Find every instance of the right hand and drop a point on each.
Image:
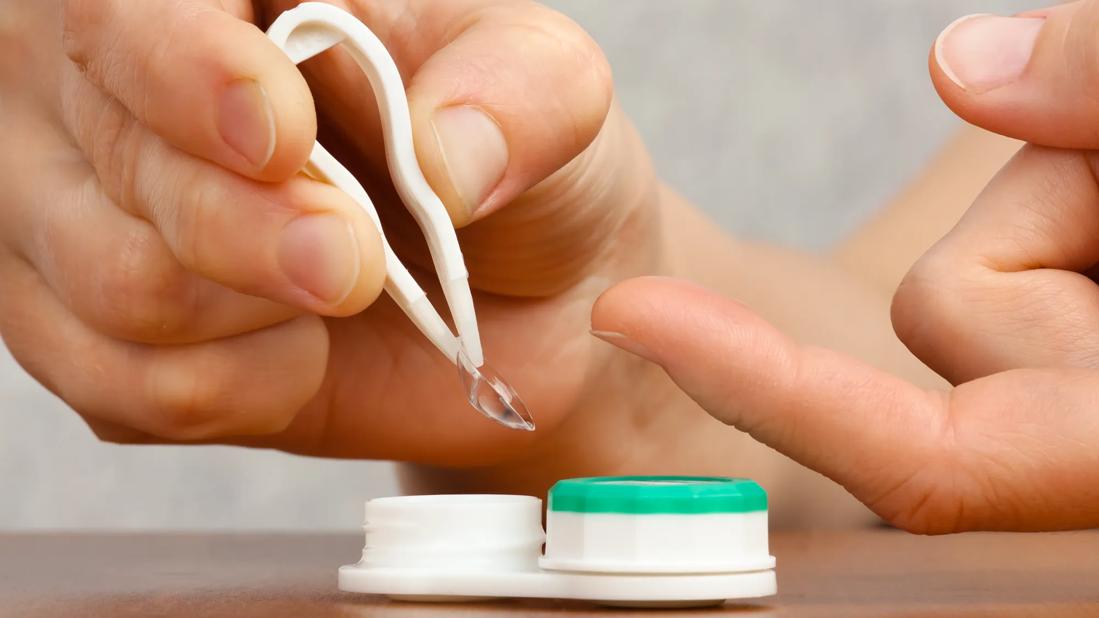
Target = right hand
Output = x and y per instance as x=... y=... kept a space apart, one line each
x=166 y=271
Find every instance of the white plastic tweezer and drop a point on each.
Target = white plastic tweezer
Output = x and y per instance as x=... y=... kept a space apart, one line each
x=312 y=28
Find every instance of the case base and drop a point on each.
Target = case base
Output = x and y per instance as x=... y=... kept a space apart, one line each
x=633 y=590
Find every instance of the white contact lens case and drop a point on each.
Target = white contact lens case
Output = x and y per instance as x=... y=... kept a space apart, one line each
x=636 y=541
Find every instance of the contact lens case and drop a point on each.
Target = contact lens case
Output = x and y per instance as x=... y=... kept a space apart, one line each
x=632 y=541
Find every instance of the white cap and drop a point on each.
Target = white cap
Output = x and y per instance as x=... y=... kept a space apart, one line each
x=467 y=532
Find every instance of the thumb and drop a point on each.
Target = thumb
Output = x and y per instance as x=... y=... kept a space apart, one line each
x=515 y=96
x=1009 y=451
x=1033 y=76
x=502 y=93
x=511 y=105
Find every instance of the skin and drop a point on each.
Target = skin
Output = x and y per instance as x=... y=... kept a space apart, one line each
x=127 y=288
x=193 y=333
x=1004 y=306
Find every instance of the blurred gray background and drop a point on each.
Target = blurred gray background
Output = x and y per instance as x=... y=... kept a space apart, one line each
x=786 y=120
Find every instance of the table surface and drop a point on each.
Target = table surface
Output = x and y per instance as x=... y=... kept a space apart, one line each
x=848 y=573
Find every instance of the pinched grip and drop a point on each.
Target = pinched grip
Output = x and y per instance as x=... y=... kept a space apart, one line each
x=312 y=28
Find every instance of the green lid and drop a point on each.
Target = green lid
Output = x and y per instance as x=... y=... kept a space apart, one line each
x=635 y=495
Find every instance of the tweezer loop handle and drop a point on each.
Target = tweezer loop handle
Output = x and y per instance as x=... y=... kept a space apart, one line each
x=312 y=28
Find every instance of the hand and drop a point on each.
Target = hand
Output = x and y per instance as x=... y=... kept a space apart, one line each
x=1005 y=306
x=163 y=267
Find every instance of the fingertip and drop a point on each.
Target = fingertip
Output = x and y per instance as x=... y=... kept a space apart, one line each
x=964 y=101
x=625 y=305
x=640 y=302
x=271 y=132
x=329 y=257
x=505 y=104
x=939 y=66
x=303 y=243
x=371 y=278
x=944 y=86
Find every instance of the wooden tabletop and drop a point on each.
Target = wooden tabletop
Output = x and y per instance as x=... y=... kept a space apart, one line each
x=858 y=573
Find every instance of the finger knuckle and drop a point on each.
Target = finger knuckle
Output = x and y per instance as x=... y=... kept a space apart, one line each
x=160 y=57
x=77 y=18
x=104 y=57
x=191 y=216
x=145 y=295
x=202 y=398
x=16 y=41
x=84 y=392
x=115 y=144
x=189 y=402
x=926 y=302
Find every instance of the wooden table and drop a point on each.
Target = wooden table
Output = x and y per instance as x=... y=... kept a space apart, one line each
x=858 y=573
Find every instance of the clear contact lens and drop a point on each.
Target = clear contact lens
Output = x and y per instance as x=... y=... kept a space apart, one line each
x=490 y=395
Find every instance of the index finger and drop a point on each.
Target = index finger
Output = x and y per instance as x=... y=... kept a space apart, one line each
x=1012 y=451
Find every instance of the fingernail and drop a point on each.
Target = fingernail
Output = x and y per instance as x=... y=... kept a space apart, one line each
x=984 y=52
x=622 y=341
x=474 y=150
x=320 y=254
x=246 y=121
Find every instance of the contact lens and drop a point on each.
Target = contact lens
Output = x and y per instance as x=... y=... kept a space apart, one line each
x=492 y=396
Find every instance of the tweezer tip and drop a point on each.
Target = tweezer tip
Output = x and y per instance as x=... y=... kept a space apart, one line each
x=522 y=424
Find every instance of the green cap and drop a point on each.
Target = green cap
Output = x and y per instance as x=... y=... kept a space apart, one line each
x=637 y=495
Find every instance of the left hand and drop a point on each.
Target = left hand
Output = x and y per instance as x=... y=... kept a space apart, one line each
x=1005 y=306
